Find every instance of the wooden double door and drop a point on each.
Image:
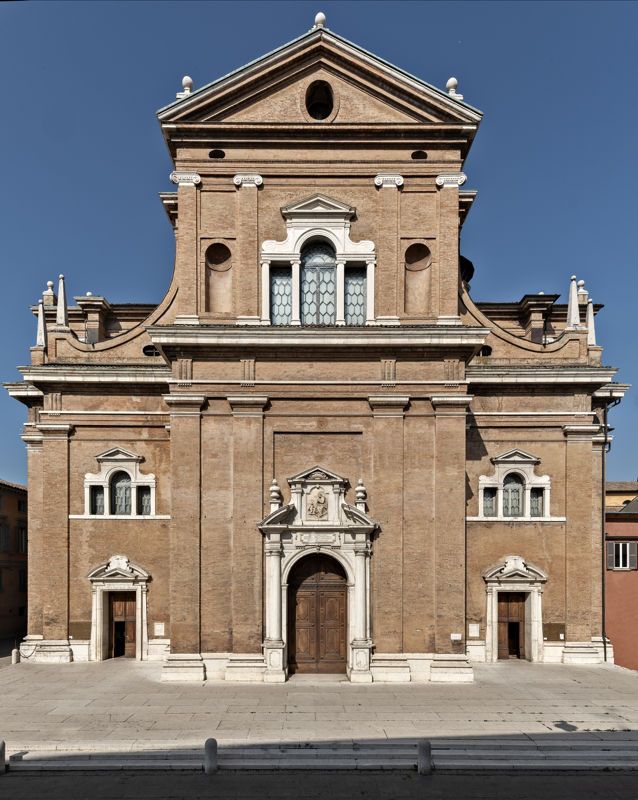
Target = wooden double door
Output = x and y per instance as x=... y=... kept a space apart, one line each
x=317 y=616
x=122 y=624
x=511 y=624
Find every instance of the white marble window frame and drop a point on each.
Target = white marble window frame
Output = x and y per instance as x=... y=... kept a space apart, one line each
x=102 y=479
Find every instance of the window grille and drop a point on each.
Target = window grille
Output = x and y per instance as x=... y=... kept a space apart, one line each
x=121 y=494
x=318 y=285
x=489 y=502
x=97 y=499
x=537 y=503
x=144 y=500
x=355 y=296
x=280 y=296
x=512 y=496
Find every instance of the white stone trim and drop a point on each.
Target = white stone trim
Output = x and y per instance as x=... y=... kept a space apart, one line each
x=117 y=574
x=515 y=575
x=388 y=179
x=522 y=464
x=118 y=460
x=342 y=532
x=185 y=178
x=455 y=179
x=318 y=217
x=247 y=179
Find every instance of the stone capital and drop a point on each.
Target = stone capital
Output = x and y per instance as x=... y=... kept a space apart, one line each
x=247 y=405
x=451 y=404
x=185 y=178
x=388 y=179
x=388 y=405
x=55 y=430
x=451 y=179
x=581 y=433
x=184 y=404
x=246 y=179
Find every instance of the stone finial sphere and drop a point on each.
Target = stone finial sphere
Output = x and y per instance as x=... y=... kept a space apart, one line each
x=187 y=83
x=451 y=84
x=320 y=20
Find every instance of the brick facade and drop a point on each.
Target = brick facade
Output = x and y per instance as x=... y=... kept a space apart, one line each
x=418 y=403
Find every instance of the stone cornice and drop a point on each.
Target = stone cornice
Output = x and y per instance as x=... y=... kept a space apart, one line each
x=93 y=373
x=247 y=405
x=55 y=430
x=451 y=400
x=272 y=336
x=554 y=374
x=581 y=433
x=184 y=401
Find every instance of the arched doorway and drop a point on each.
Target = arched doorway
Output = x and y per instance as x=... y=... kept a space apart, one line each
x=317 y=624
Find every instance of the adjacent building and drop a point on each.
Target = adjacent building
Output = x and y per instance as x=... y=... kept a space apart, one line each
x=621 y=593
x=318 y=453
x=13 y=561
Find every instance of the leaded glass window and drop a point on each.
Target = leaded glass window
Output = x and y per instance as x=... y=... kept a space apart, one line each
x=97 y=499
x=536 y=502
x=280 y=296
x=318 y=285
x=144 y=500
x=121 y=494
x=355 y=296
x=489 y=502
x=513 y=496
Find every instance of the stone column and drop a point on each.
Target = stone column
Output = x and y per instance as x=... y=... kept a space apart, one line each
x=387 y=491
x=296 y=292
x=186 y=247
x=388 y=248
x=370 y=296
x=246 y=564
x=580 y=572
x=53 y=558
x=265 y=292
x=276 y=670
x=450 y=660
x=448 y=247
x=184 y=662
x=361 y=644
x=246 y=293
x=340 y=318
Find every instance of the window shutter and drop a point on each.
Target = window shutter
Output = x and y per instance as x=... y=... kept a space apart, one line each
x=610 y=555
x=633 y=555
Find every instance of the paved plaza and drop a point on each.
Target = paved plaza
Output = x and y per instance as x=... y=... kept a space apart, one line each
x=122 y=705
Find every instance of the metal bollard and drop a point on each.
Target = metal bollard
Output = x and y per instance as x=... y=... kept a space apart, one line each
x=3 y=757
x=424 y=762
x=210 y=756
x=15 y=656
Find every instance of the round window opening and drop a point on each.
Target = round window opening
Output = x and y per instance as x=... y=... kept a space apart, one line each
x=417 y=257
x=218 y=257
x=319 y=100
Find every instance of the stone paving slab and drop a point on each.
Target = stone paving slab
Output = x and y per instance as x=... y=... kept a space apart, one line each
x=124 y=702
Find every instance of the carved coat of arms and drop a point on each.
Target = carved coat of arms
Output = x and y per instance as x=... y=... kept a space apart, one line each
x=317 y=505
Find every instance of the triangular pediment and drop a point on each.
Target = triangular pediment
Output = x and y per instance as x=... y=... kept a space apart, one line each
x=317 y=474
x=515 y=570
x=119 y=568
x=367 y=89
x=318 y=205
x=118 y=454
x=516 y=457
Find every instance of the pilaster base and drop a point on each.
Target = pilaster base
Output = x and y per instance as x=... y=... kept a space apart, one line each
x=186 y=667
x=38 y=650
x=390 y=668
x=451 y=668
x=245 y=668
x=276 y=671
x=581 y=653
x=360 y=671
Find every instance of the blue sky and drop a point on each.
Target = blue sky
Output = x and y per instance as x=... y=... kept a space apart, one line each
x=554 y=160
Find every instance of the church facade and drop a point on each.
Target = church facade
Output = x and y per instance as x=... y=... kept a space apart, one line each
x=318 y=453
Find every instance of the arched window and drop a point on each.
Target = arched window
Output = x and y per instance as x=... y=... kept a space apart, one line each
x=318 y=284
x=513 y=496
x=121 y=494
